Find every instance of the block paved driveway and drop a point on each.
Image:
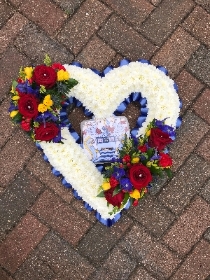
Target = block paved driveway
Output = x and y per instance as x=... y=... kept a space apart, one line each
x=45 y=233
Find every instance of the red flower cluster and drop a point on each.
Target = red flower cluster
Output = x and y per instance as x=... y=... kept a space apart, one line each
x=131 y=176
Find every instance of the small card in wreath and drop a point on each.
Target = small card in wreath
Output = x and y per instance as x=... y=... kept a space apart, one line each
x=102 y=138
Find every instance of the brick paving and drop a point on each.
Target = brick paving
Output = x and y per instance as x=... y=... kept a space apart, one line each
x=45 y=233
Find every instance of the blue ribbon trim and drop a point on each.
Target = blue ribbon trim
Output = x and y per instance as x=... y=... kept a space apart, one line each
x=133 y=97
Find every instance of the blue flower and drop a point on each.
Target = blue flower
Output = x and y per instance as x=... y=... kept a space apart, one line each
x=126 y=184
x=12 y=108
x=118 y=173
x=27 y=88
x=46 y=115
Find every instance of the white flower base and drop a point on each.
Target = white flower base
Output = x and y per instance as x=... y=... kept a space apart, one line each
x=102 y=96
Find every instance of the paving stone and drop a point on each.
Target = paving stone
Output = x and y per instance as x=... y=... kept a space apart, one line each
x=135 y=11
x=16 y=199
x=188 y=136
x=96 y=54
x=202 y=105
x=189 y=88
x=126 y=40
x=83 y=25
x=199 y=64
x=20 y=242
x=207 y=234
x=4 y=275
x=9 y=31
x=17 y=150
x=118 y=266
x=69 y=6
x=100 y=239
x=153 y=255
x=79 y=206
x=191 y=224
x=204 y=148
x=44 y=13
x=156 y=2
x=176 y=51
x=35 y=269
x=204 y=3
x=115 y=61
x=42 y=170
x=5 y=12
x=6 y=125
x=56 y=254
x=186 y=183
x=141 y=273
x=205 y=192
x=8 y=73
x=165 y=18
x=17 y=3
x=157 y=184
x=198 y=24
x=152 y=214
x=197 y=264
x=35 y=44
x=64 y=219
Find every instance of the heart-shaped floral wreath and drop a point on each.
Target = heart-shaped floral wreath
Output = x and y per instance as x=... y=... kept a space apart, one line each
x=40 y=98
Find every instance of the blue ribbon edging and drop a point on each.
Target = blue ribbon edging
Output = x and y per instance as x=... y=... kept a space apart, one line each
x=133 y=97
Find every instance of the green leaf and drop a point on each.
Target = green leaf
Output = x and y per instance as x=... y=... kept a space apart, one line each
x=71 y=83
x=47 y=60
x=14 y=84
x=150 y=152
x=116 y=191
x=126 y=197
x=17 y=118
x=101 y=194
x=156 y=171
x=168 y=172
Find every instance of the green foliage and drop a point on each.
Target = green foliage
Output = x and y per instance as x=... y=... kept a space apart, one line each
x=101 y=194
x=168 y=172
x=17 y=118
x=47 y=60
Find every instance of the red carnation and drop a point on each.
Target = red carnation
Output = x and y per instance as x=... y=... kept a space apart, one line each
x=159 y=139
x=113 y=182
x=28 y=105
x=46 y=132
x=45 y=76
x=25 y=125
x=115 y=200
x=58 y=66
x=142 y=148
x=140 y=176
x=126 y=159
x=165 y=160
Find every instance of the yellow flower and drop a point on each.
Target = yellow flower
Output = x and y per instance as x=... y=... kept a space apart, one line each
x=148 y=133
x=135 y=160
x=12 y=90
x=48 y=101
x=28 y=72
x=135 y=194
x=13 y=113
x=149 y=163
x=62 y=75
x=15 y=97
x=106 y=186
x=42 y=108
